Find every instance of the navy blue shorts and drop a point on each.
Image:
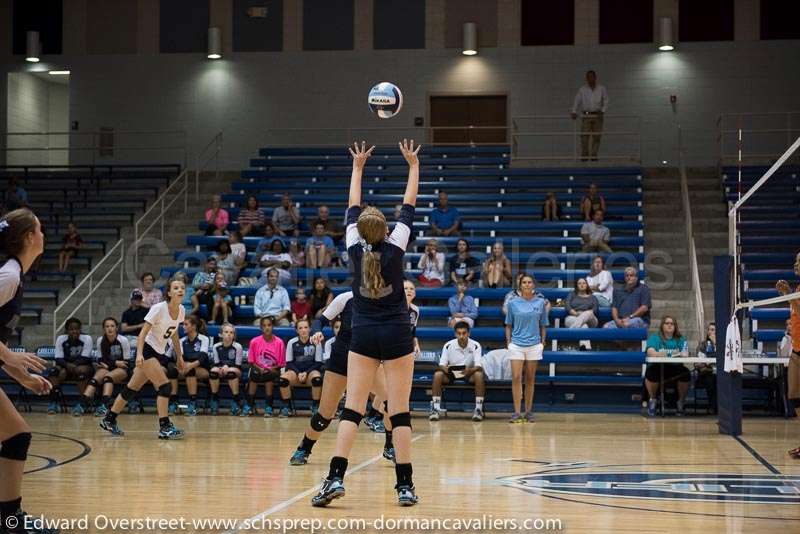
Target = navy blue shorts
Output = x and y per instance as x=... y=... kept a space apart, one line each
x=385 y=342
x=337 y=363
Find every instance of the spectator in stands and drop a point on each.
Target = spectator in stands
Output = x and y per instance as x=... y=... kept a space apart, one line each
x=319 y=248
x=601 y=282
x=461 y=361
x=462 y=264
x=462 y=307
x=321 y=296
x=582 y=310
x=14 y=197
x=217 y=218
x=286 y=217
x=432 y=263
x=133 y=317
x=202 y=283
x=151 y=295
x=785 y=344
x=705 y=372
x=592 y=202
x=266 y=356
x=238 y=248
x=276 y=258
x=595 y=235
x=223 y=302
x=303 y=367
x=270 y=235
x=591 y=102
x=272 y=301
x=73 y=362
x=631 y=306
x=251 y=219
x=497 y=268
x=526 y=331
x=71 y=243
x=445 y=220
x=297 y=254
x=333 y=228
x=301 y=307
x=666 y=343
x=227 y=262
x=551 y=210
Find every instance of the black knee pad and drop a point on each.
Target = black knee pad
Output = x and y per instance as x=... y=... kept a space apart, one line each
x=164 y=390
x=83 y=376
x=107 y=380
x=172 y=372
x=230 y=375
x=258 y=378
x=92 y=382
x=128 y=393
x=316 y=381
x=319 y=423
x=213 y=375
x=401 y=419
x=192 y=372
x=16 y=447
x=351 y=415
x=281 y=382
x=53 y=372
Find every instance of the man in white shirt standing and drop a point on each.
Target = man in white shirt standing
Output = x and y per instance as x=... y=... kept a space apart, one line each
x=591 y=102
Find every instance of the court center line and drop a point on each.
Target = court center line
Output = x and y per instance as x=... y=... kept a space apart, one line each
x=285 y=504
x=763 y=461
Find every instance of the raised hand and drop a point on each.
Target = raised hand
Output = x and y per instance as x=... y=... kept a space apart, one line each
x=360 y=154
x=317 y=338
x=24 y=361
x=408 y=151
x=783 y=287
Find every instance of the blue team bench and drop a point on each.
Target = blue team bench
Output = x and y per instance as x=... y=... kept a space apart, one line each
x=769 y=335
x=389 y=150
x=770 y=275
x=558 y=185
x=471 y=198
x=342 y=161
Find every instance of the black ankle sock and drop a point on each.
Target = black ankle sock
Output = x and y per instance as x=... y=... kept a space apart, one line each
x=192 y=398
x=163 y=421
x=251 y=400
x=389 y=442
x=269 y=401
x=54 y=394
x=237 y=399
x=215 y=397
x=173 y=399
x=403 y=472
x=9 y=509
x=106 y=400
x=111 y=416
x=338 y=467
x=307 y=444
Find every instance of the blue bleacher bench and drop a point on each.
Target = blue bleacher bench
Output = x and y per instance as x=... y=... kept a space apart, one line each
x=557 y=185
x=770 y=275
x=455 y=198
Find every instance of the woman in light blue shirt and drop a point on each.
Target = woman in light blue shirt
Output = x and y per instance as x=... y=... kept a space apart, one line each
x=526 y=329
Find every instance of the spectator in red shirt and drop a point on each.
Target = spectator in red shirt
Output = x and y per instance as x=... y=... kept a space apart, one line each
x=301 y=307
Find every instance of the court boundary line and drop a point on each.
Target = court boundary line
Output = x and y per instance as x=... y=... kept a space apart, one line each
x=84 y=453
x=288 y=502
x=760 y=459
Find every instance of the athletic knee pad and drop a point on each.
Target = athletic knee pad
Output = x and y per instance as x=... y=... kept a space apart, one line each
x=230 y=374
x=107 y=380
x=319 y=423
x=92 y=382
x=53 y=372
x=258 y=378
x=172 y=372
x=164 y=390
x=16 y=447
x=401 y=419
x=213 y=375
x=316 y=381
x=351 y=415
x=83 y=376
x=128 y=393
x=281 y=382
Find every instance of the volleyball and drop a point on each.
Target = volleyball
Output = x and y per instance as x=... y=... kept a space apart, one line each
x=385 y=100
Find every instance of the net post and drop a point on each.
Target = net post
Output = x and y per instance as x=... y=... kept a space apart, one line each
x=729 y=385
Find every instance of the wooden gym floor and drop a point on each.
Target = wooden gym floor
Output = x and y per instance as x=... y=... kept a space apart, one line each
x=592 y=472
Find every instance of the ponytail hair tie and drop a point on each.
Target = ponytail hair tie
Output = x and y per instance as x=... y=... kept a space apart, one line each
x=366 y=246
x=3 y=225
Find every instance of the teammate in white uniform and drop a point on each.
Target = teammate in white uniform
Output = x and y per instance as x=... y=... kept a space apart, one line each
x=161 y=325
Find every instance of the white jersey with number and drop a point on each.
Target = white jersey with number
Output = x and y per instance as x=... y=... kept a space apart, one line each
x=163 y=326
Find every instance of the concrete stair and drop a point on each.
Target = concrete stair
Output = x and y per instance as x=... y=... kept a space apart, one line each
x=109 y=300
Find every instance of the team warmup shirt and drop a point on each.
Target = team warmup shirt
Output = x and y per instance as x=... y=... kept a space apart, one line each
x=413 y=313
x=163 y=326
x=390 y=306
x=454 y=355
x=10 y=297
x=119 y=349
x=267 y=354
x=342 y=307
x=196 y=349
x=77 y=351
x=303 y=357
x=231 y=355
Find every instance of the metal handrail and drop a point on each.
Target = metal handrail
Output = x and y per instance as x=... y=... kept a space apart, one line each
x=694 y=269
x=216 y=142
x=150 y=215
x=118 y=248
x=784 y=122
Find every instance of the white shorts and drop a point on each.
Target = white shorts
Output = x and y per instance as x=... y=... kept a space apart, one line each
x=532 y=353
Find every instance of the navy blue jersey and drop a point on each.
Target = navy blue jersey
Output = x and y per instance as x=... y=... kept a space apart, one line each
x=111 y=352
x=76 y=351
x=196 y=349
x=230 y=356
x=390 y=305
x=303 y=357
x=10 y=297
x=413 y=313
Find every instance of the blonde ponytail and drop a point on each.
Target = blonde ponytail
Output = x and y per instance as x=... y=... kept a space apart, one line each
x=372 y=229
